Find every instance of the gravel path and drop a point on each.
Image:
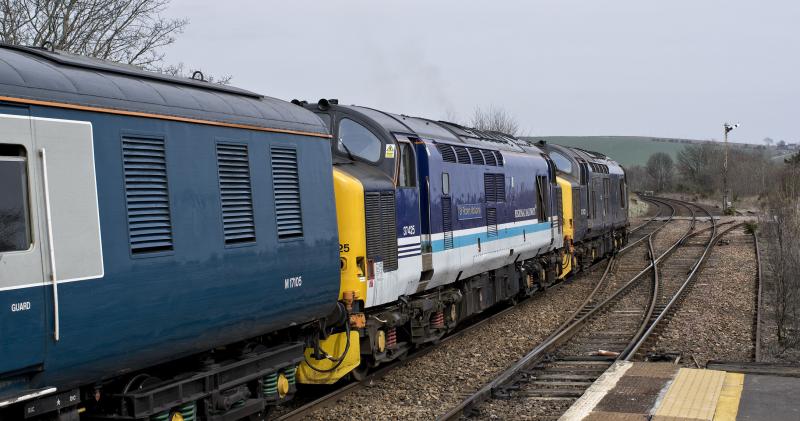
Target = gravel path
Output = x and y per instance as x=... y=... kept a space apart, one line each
x=432 y=384
x=715 y=321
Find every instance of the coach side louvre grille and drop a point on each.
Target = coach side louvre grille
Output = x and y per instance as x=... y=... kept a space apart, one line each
x=381 y=228
x=286 y=190
x=147 y=194
x=233 y=167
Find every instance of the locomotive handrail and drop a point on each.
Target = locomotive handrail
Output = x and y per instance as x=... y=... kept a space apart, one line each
x=51 y=247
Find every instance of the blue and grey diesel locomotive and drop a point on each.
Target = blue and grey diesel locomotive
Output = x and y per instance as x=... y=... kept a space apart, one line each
x=168 y=247
x=440 y=222
x=209 y=199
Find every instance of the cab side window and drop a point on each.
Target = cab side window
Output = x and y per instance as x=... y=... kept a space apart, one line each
x=15 y=224
x=356 y=140
x=406 y=176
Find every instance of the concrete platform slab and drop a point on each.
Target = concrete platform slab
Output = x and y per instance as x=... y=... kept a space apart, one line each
x=769 y=398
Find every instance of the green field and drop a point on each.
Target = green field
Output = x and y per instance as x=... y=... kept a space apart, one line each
x=627 y=150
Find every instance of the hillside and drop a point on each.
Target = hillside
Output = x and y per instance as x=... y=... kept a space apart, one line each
x=628 y=150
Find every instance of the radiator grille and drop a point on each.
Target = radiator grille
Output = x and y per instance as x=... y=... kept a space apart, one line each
x=233 y=166
x=381 y=228
x=147 y=195
x=447 y=223
x=286 y=188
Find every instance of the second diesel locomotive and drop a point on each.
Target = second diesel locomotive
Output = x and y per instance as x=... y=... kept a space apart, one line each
x=438 y=222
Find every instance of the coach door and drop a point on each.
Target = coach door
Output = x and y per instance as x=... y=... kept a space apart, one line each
x=69 y=217
x=22 y=298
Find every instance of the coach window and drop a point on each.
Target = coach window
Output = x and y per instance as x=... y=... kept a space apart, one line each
x=14 y=216
x=357 y=140
x=405 y=177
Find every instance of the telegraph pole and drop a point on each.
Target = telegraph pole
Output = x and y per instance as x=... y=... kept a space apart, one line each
x=725 y=193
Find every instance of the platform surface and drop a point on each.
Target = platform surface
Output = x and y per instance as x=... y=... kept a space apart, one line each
x=664 y=392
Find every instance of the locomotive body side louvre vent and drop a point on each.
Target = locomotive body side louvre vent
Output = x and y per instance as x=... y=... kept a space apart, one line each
x=477 y=156
x=494 y=186
x=498 y=158
x=467 y=155
x=286 y=189
x=448 y=155
x=500 y=187
x=233 y=167
x=462 y=154
x=147 y=195
x=447 y=223
x=489 y=187
x=491 y=222
x=381 y=228
x=489 y=157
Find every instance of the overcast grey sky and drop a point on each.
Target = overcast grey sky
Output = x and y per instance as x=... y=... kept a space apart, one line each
x=678 y=68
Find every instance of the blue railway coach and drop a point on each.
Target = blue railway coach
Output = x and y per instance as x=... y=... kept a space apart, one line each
x=146 y=218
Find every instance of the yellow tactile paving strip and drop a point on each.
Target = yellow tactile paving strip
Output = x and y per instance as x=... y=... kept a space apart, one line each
x=731 y=393
x=692 y=396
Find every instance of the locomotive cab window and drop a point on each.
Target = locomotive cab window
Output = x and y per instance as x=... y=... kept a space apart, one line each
x=562 y=162
x=14 y=216
x=445 y=183
x=356 y=140
x=406 y=175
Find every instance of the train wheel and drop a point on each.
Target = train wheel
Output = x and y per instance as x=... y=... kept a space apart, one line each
x=360 y=373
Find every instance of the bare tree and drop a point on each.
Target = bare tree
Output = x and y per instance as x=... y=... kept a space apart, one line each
x=494 y=119
x=782 y=227
x=768 y=141
x=638 y=179
x=183 y=71
x=695 y=164
x=660 y=168
x=125 y=31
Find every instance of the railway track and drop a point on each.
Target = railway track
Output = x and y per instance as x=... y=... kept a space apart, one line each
x=618 y=316
x=637 y=249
